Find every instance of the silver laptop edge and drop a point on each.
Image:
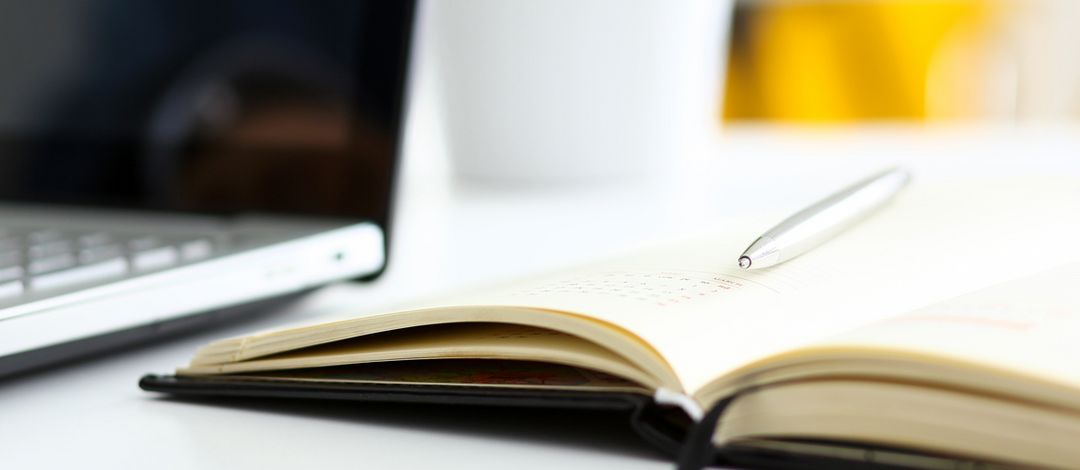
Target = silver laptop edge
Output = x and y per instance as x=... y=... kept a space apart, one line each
x=200 y=287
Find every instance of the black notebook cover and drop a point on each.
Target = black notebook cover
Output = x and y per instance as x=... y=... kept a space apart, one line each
x=666 y=428
x=656 y=425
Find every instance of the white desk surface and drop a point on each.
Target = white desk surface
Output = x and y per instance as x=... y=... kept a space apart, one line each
x=455 y=234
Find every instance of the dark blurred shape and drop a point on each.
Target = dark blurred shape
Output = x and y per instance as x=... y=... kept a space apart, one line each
x=217 y=106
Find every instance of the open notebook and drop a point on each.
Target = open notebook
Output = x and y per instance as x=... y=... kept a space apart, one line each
x=944 y=328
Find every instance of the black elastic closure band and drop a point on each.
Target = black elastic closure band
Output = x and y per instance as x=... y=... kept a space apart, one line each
x=697 y=452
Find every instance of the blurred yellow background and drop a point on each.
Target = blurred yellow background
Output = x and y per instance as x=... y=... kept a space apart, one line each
x=856 y=60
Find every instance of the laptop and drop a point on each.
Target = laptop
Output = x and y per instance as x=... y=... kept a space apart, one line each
x=165 y=164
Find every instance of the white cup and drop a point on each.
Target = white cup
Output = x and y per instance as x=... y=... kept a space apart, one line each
x=543 y=91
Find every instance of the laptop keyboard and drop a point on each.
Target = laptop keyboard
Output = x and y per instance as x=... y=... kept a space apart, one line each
x=45 y=260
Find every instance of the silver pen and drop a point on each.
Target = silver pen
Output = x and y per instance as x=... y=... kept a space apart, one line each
x=814 y=225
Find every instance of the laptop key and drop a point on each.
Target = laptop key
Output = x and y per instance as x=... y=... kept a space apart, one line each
x=10 y=243
x=44 y=235
x=94 y=239
x=8 y=258
x=196 y=249
x=144 y=243
x=46 y=249
x=80 y=275
x=52 y=263
x=100 y=253
x=9 y=273
x=11 y=289
x=156 y=258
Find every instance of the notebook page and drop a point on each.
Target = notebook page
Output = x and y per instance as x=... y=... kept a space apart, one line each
x=706 y=316
x=1028 y=327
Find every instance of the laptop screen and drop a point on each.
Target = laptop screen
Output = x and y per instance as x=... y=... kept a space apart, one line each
x=211 y=106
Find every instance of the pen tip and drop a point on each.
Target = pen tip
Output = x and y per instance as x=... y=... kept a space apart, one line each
x=744 y=262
